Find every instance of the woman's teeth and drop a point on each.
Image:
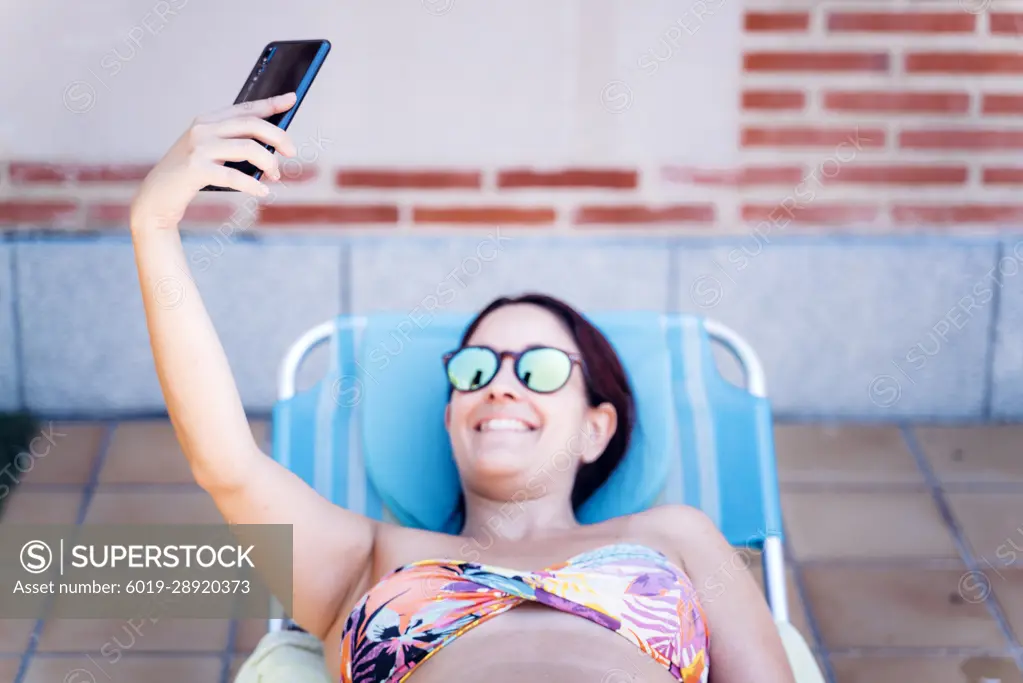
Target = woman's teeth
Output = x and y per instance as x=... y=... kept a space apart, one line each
x=504 y=425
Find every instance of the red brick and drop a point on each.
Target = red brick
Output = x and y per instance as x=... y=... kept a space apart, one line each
x=965 y=62
x=829 y=214
x=199 y=212
x=739 y=177
x=894 y=102
x=108 y=213
x=816 y=61
x=964 y=213
x=678 y=213
x=288 y=214
x=610 y=179
x=805 y=136
x=773 y=99
x=420 y=179
x=961 y=139
x=60 y=213
x=296 y=172
x=490 y=215
x=898 y=175
x=902 y=22
x=1003 y=104
x=1007 y=22
x=1003 y=175
x=26 y=172
x=777 y=21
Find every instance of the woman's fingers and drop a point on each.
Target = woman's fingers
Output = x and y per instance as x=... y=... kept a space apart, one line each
x=243 y=150
x=235 y=179
x=259 y=108
x=252 y=127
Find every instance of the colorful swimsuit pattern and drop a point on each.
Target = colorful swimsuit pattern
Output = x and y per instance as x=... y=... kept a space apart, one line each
x=630 y=589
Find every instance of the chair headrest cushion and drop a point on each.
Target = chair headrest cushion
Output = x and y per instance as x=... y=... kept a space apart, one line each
x=406 y=448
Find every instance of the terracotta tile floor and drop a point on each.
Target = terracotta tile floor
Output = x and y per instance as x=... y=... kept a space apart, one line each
x=905 y=546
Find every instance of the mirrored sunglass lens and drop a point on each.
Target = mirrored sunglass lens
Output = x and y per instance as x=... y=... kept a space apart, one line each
x=470 y=368
x=544 y=369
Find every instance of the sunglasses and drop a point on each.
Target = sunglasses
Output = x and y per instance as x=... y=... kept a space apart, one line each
x=541 y=369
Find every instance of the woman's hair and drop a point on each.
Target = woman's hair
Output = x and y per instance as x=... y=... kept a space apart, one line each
x=606 y=382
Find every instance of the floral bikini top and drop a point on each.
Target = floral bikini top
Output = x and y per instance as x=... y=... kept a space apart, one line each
x=630 y=589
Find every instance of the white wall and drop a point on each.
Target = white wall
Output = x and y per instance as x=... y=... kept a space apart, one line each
x=437 y=82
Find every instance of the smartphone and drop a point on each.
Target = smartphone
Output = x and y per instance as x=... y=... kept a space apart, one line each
x=284 y=66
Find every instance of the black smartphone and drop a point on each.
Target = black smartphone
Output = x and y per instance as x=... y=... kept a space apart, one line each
x=284 y=66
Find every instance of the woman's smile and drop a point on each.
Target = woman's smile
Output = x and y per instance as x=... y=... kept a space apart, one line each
x=504 y=424
x=504 y=433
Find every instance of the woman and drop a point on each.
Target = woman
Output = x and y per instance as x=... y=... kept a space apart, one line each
x=536 y=594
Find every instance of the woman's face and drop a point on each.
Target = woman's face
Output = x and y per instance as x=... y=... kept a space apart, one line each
x=536 y=434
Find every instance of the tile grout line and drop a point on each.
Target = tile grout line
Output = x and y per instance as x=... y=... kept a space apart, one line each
x=917 y=652
x=83 y=507
x=879 y=562
x=811 y=618
x=992 y=339
x=101 y=459
x=228 y=654
x=965 y=551
x=19 y=347
x=853 y=487
x=804 y=416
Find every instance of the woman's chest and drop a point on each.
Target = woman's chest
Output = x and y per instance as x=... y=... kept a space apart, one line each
x=474 y=600
x=399 y=547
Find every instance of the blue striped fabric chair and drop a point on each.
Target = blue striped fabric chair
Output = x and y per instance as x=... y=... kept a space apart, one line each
x=370 y=434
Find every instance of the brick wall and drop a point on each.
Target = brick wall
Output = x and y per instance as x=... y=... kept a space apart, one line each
x=852 y=116
x=932 y=91
x=606 y=137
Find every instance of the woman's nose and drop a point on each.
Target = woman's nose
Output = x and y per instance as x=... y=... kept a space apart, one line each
x=504 y=384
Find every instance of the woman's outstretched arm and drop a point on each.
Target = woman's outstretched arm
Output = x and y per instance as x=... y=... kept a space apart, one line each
x=332 y=547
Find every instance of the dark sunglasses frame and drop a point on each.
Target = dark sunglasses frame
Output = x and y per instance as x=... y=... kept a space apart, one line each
x=516 y=356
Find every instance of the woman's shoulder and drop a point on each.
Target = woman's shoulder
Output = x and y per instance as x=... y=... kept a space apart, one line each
x=684 y=528
x=677 y=521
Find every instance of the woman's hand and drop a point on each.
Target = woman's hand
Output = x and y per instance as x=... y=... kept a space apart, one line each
x=196 y=160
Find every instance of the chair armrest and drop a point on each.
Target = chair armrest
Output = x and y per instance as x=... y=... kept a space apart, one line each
x=286 y=657
x=801 y=659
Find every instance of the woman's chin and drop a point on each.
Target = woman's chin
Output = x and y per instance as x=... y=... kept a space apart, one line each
x=500 y=461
